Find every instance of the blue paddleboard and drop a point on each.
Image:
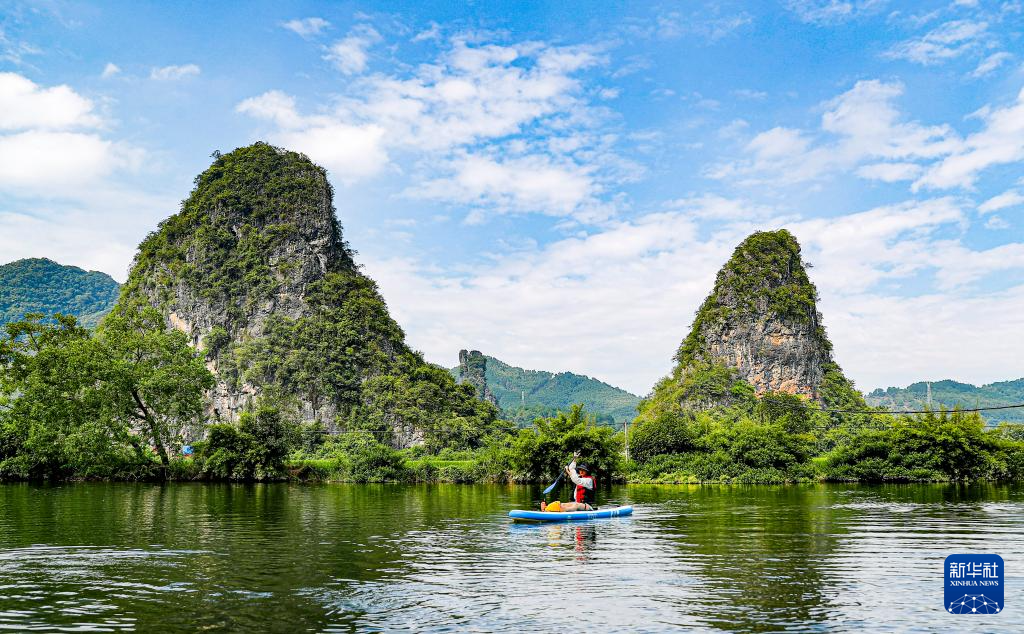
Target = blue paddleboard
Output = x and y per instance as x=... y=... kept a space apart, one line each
x=544 y=516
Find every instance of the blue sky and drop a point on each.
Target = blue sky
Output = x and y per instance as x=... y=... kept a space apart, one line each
x=556 y=184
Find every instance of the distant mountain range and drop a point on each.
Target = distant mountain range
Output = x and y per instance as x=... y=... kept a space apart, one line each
x=39 y=285
x=950 y=393
x=524 y=395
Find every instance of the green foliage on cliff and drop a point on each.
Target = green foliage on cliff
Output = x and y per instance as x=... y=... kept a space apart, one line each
x=698 y=385
x=950 y=394
x=765 y=275
x=42 y=286
x=257 y=232
x=241 y=208
x=524 y=395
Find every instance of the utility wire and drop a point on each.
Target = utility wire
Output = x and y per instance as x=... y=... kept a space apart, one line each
x=903 y=411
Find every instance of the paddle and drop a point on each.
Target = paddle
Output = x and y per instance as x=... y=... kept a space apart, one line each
x=559 y=478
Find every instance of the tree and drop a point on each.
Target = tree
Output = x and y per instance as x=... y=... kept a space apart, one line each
x=75 y=404
x=48 y=421
x=541 y=453
x=153 y=382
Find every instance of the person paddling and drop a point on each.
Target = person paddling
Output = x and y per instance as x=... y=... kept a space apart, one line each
x=584 y=493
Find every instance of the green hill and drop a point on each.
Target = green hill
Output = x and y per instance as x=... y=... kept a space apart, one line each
x=38 y=285
x=950 y=393
x=523 y=395
x=255 y=271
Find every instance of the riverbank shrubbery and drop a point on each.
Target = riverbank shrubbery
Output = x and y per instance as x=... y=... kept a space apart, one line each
x=934 y=446
x=529 y=455
x=75 y=404
x=764 y=446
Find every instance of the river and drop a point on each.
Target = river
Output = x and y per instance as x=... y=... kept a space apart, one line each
x=337 y=557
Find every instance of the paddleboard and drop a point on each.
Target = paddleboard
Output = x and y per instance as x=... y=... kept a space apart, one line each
x=544 y=516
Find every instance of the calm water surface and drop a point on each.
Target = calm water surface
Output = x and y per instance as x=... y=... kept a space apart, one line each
x=114 y=557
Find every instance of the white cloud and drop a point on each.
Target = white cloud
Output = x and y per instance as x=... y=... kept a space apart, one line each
x=991 y=63
x=999 y=142
x=110 y=70
x=15 y=51
x=861 y=130
x=855 y=252
x=1009 y=198
x=829 y=12
x=53 y=160
x=433 y=33
x=750 y=95
x=996 y=223
x=306 y=27
x=529 y=184
x=734 y=129
x=68 y=232
x=703 y=24
x=715 y=207
x=52 y=145
x=349 y=55
x=945 y=42
x=507 y=128
x=884 y=340
x=174 y=73
x=633 y=289
x=25 y=104
x=890 y=172
x=349 y=152
x=859 y=125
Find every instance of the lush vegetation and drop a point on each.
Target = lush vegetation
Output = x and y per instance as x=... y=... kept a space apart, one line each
x=765 y=275
x=42 y=286
x=126 y=402
x=951 y=394
x=256 y=263
x=524 y=395
x=783 y=438
x=114 y=404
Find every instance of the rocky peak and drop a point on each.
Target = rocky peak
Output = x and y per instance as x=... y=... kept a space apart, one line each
x=761 y=320
x=253 y=268
x=256 y=231
x=473 y=371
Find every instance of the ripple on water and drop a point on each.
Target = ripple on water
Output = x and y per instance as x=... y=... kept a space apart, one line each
x=341 y=557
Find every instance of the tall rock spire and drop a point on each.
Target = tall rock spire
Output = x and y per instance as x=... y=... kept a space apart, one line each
x=761 y=319
x=473 y=371
x=759 y=331
x=255 y=271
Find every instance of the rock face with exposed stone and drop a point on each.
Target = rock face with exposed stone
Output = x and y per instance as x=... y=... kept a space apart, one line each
x=254 y=270
x=761 y=320
x=473 y=371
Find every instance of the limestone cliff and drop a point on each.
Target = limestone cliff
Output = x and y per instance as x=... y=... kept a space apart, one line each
x=473 y=371
x=761 y=322
x=255 y=271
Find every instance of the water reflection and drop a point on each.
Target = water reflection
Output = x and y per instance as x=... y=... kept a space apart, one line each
x=108 y=557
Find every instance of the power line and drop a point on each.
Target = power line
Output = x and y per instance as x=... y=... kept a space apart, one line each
x=903 y=411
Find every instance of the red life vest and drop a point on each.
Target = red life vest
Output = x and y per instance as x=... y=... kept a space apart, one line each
x=583 y=494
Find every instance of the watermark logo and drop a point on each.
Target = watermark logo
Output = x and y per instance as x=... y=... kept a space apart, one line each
x=974 y=584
